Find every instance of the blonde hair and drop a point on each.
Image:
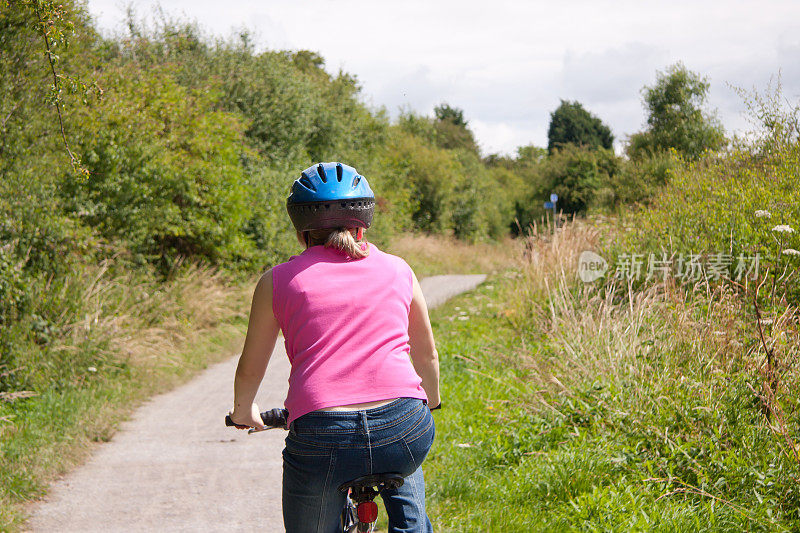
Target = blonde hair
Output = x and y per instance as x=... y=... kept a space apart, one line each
x=339 y=239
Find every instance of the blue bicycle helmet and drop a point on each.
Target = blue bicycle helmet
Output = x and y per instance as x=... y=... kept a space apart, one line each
x=330 y=195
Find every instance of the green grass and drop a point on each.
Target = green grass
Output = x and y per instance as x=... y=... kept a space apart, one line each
x=609 y=453
x=167 y=341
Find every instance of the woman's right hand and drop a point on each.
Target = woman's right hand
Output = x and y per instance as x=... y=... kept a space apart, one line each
x=245 y=420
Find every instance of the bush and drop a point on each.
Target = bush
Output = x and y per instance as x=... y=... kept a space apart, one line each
x=731 y=204
x=637 y=181
x=430 y=175
x=576 y=174
x=164 y=171
x=482 y=202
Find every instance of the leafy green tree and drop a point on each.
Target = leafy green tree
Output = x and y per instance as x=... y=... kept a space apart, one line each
x=638 y=180
x=676 y=116
x=431 y=176
x=519 y=180
x=417 y=125
x=446 y=113
x=570 y=123
x=483 y=200
x=531 y=154
x=165 y=175
x=576 y=173
x=308 y=61
x=452 y=129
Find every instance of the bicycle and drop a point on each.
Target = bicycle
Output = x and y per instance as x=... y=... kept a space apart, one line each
x=360 y=511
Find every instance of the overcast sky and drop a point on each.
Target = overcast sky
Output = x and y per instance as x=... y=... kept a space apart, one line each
x=507 y=63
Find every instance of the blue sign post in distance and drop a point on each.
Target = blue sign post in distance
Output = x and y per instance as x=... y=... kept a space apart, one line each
x=552 y=205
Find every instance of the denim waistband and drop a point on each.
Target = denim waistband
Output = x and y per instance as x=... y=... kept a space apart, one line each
x=385 y=416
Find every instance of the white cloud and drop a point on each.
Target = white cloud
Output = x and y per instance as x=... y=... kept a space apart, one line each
x=610 y=75
x=505 y=137
x=507 y=63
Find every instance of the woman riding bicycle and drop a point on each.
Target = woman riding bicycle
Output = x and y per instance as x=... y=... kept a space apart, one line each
x=364 y=367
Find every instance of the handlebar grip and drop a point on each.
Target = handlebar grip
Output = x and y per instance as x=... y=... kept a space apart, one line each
x=275 y=418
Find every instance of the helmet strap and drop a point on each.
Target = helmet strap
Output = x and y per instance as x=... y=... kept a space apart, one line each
x=306 y=238
x=359 y=234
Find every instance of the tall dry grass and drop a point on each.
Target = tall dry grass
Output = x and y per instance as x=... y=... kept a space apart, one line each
x=431 y=255
x=146 y=322
x=638 y=339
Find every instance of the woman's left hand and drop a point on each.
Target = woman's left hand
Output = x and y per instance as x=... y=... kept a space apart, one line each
x=245 y=420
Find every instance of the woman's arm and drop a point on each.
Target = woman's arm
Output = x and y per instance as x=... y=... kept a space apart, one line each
x=262 y=332
x=423 y=348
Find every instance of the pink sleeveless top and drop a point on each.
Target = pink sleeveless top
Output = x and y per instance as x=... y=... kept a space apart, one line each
x=345 y=325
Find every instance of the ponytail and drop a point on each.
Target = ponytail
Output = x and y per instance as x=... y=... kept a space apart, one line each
x=339 y=239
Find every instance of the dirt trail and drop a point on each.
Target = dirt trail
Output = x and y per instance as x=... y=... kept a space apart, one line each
x=195 y=475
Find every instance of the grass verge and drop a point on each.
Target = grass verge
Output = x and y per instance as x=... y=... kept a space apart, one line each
x=571 y=408
x=138 y=338
x=431 y=255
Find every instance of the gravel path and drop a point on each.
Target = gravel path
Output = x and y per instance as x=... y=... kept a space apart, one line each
x=200 y=476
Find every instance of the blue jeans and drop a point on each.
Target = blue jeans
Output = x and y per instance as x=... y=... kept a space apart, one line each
x=327 y=448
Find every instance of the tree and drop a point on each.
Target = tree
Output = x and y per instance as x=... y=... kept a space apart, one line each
x=572 y=124
x=576 y=173
x=445 y=113
x=676 y=118
x=452 y=130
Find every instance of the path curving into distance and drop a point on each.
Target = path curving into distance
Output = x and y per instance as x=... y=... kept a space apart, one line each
x=203 y=476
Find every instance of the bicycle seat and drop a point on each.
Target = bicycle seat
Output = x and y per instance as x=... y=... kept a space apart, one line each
x=377 y=481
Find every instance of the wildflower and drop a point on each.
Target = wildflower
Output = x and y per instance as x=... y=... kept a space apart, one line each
x=92 y=369
x=783 y=228
x=790 y=251
x=762 y=214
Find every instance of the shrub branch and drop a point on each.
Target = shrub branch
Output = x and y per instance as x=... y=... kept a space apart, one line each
x=43 y=29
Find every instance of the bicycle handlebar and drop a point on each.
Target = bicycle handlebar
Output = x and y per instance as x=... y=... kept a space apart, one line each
x=277 y=418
